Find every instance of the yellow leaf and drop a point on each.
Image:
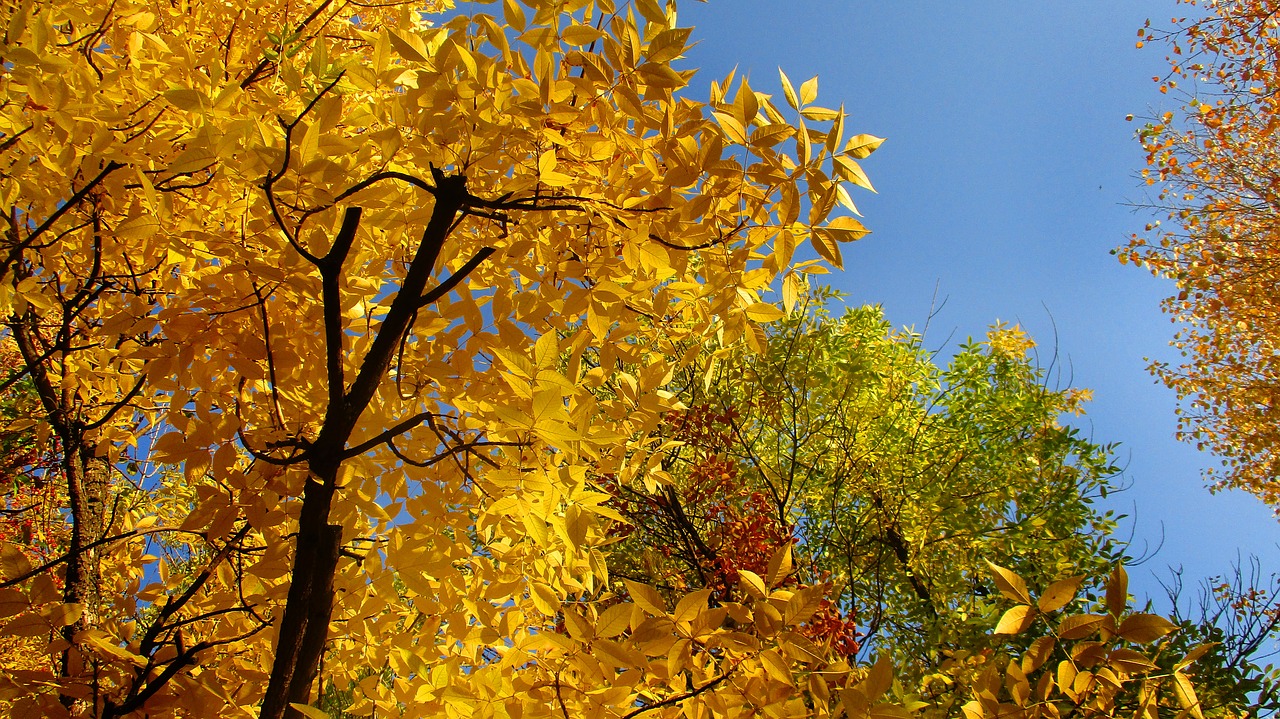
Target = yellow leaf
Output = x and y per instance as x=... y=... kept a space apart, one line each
x=614 y=620
x=845 y=229
x=1009 y=584
x=763 y=312
x=138 y=228
x=889 y=710
x=789 y=91
x=668 y=44
x=776 y=667
x=546 y=350
x=547 y=162
x=752 y=584
x=309 y=711
x=513 y=14
x=790 y=291
x=836 y=133
x=409 y=47
x=661 y=75
x=44 y=589
x=861 y=146
x=820 y=114
x=577 y=625
x=579 y=35
x=851 y=171
x=842 y=196
x=1066 y=674
x=1037 y=654
x=544 y=598
x=732 y=128
x=799 y=648
x=1016 y=682
x=187 y=99
x=1186 y=695
x=96 y=638
x=1145 y=628
x=780 y=566
x=25 y=625
x=13 y=561
x=646 y=597
x=809 y=90
x=618 y=655
x=691 y=605
x=879 y=678
x=1117 y=591
x=1015 y=620
x=825 y=244
x=654 y=256
x=770 y=135
x=1059 y=594
x=61 y=615
x=651 y=11
x=11 y=602
x=1191 y=656
x=1130 y=662
x=1079 y=626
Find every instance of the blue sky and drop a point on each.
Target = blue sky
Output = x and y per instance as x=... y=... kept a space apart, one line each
x=1007 y=177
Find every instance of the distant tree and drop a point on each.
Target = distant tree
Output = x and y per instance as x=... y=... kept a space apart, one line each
x=1215 y=164
x=916 y=492
x=897 y=479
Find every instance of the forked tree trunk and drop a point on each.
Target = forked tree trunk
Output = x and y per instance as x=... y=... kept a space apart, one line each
x=304 y=623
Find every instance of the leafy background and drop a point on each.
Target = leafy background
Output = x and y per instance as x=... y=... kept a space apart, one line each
x=1009 y=174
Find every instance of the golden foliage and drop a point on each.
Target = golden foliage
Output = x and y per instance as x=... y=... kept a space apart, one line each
x=332 y=308
x=1215 y=165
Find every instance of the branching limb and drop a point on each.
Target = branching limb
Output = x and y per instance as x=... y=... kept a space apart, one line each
x=72 y=202
x=434 y=295
x=388 y=435
x=19 y=579
x=680 y=697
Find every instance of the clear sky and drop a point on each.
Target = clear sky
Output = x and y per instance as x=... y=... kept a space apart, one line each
x=1008 y=175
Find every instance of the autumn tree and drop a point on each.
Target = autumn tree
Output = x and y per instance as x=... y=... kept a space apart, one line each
x=1213 y=163
x=843 y=453
x=896 y=478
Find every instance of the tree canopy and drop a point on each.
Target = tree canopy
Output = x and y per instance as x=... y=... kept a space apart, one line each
x=294 y=287
x=896 y=478
x=1213 y=161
